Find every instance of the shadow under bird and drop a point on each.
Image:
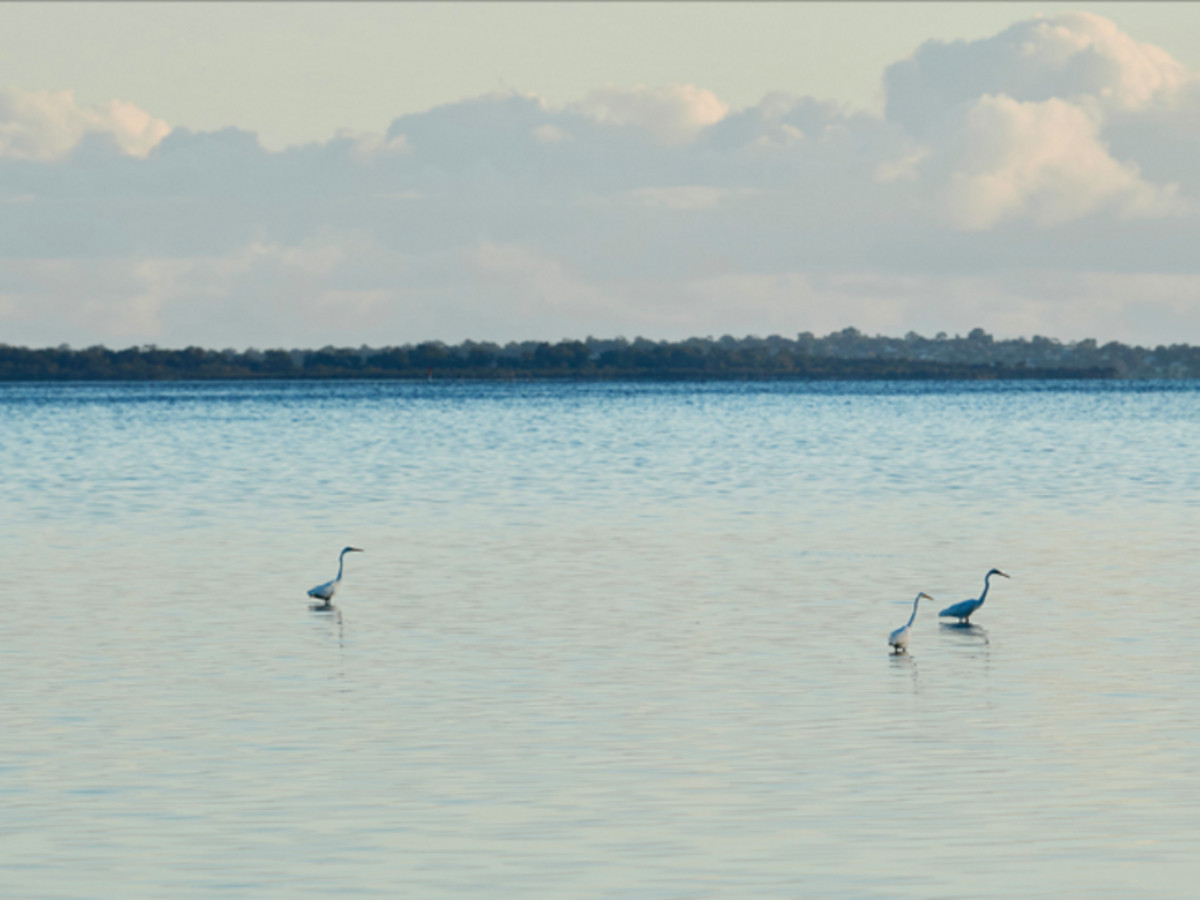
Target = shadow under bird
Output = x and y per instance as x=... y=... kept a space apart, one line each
x=898 y=639
x=324 y=592
x=964 y=609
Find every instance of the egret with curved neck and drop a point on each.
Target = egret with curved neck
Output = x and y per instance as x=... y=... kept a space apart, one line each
x=324 y=592
x=963 y=610
x=898 y=639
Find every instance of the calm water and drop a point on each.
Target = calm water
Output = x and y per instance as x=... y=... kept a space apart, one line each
x=605 y=641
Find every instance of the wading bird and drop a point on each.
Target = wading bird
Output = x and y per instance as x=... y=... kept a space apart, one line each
x=963 y=611
x=324 y=592
x=899 y=638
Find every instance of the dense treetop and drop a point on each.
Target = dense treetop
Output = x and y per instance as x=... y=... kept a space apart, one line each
x=846 y=354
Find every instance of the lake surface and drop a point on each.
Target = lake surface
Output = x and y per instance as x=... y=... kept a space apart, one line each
x=606 y=641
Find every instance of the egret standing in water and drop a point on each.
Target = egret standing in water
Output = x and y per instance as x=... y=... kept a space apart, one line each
x=324 y=592
x=899 y=638
x=963 y=611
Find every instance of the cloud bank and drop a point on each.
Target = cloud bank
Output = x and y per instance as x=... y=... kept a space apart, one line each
x=1043 y=180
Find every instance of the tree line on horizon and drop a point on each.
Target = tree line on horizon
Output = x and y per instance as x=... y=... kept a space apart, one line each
x=845 y=354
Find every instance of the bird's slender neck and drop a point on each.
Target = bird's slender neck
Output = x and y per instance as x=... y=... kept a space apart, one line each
x=913 y=617
x=341 y=560
x=986 y=583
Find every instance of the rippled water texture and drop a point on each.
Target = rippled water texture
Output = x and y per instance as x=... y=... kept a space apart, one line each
x=605 y=641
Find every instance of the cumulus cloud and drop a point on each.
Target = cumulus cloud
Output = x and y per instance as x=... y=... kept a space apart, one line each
x=1070 y=57
x=674 y=115
x=1009 y=181
x=1042 y=160
x=1014 y=126
x=47 y=125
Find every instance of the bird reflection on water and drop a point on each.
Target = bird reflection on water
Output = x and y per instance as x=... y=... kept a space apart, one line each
x=334 y=614
x=973 y=648
x=905 y=661
x=977 y=633
x=326 y=609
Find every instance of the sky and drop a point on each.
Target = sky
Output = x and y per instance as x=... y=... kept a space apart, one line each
x=307 y=174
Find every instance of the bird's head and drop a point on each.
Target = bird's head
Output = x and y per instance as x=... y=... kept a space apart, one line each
x=352 y=550
x=998 y=572
x=923 y=596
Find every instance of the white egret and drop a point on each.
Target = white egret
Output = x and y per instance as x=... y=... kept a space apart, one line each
x=899 y=638
x=963 y=610
x=324 y=592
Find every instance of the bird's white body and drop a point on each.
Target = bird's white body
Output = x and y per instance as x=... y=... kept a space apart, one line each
x=898 y=639
x=964 y=609
x=325 y=592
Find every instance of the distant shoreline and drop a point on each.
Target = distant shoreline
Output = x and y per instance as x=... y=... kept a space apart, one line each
x=527 y=377
x=845 y=355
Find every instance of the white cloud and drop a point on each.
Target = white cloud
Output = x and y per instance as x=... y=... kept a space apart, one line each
x=1041 y=160
x=1014 y=126
x=1073 y=56
x=1102 y=60
x=108 y=299
x=537 y=284
x=674 y=115
x=903 y=168
x=264 y=293
x=47 y=125
x=271 y=295
x=367 y=145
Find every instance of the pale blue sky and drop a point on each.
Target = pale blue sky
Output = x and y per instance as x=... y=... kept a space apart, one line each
x=295 y=72
x=302 y=174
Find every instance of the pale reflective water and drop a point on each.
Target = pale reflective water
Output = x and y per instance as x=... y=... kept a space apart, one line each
x=605 y=641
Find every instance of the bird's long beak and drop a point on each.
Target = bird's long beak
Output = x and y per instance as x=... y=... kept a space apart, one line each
x=358 y=550
x=998 y=572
